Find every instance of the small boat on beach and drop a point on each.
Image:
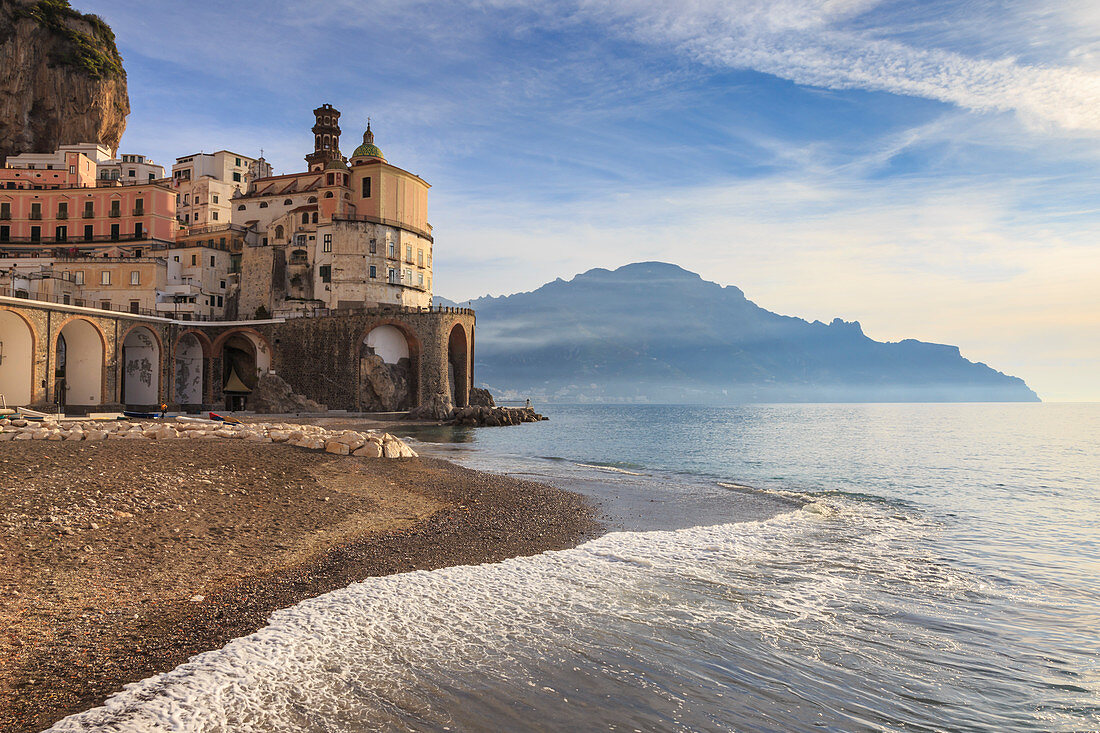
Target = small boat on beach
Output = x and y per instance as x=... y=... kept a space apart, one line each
x=225 y=418
x=134 y=413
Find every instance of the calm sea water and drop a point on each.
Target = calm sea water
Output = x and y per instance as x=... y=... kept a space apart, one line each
x=778 y=568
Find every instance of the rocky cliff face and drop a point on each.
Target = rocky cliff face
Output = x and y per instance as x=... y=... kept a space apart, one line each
x=61 y=78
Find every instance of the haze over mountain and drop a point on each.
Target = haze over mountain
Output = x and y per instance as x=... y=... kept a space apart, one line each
x=654 y=332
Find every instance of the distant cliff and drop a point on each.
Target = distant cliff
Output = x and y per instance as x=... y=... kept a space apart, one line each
x=657 y=333
x=61 y=78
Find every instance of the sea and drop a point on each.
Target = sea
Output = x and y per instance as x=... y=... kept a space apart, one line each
x=870 y=567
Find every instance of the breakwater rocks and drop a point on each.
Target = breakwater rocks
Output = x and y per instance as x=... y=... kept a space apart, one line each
x=494 y=416
x=313 y=437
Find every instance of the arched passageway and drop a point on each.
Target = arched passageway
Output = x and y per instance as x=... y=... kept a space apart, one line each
x=16 y=360
x=140 y=368
x=188 y=371
x=458 y=365
x=78 y=363
x=388 y=370
x=245 y=357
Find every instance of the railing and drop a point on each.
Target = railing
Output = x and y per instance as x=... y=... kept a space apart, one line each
x=77 y=241
x=384 y=222
x=138 y=212
x=114 y=213
x=62 y=215
x=89 y=214
x=11 y=293
x=35 y=216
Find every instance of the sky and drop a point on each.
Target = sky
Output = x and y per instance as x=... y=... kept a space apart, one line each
x=927 y=168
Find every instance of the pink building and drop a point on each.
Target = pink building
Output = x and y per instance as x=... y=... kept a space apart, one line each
x=65 y=209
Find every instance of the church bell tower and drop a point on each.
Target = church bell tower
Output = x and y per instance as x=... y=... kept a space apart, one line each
x=326 y=137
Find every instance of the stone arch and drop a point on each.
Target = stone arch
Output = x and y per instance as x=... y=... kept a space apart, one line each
x=190 y=355
x=389 y=367
x=79 y=351
x=458 y=365
x=17 y=349
x=245 y=357
x=139 y=382
x=278 y=231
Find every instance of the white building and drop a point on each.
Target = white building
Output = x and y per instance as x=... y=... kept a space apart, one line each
x=205 y=184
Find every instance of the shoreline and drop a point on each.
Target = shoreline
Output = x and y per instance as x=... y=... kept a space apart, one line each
x=123 y=558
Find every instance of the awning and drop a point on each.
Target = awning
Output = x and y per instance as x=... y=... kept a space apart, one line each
x=235 y=384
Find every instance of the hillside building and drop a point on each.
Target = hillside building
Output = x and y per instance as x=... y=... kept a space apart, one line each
x=205 y=184
x=345 y=233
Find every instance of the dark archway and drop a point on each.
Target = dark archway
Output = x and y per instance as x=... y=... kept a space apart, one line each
x=458 y=365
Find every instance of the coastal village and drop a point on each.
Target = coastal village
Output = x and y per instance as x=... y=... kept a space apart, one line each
x=215 y=284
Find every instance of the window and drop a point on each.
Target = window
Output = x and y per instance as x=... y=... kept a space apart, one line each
x=63 y=210
x=105 y=305
x=373 y=272
x=131 y=173
x=240 y=208
x=135 y=306
x=238 y=161
x=36 y=234
x=327 y=246
x=139 y=207
x=5 y=210
x=287 y=202
x=408 y=253
x=114 y=232
x=391 y=275
x=5 y=233
x=301 y=240
x=139 y=230
x=305 y=218
x=61 y=234
x=420 y=279
x=65 y=298
x=420 y=257
x=79 y=303
x=211 y=260
x=214 y=199
x=78 y=277
x=264 y=242
x=214 y=215
x=326 y=273
x=314 y=217
x=279 y=232
x=219 y=301
x=194 y=260
x=116 y=208
x=72 y=169
x=89 y=210
x=263 y=204
x=36 y=211
x=237 y=177
x=366 y=187
x=105 y=277
x=373 y=247
x=328 y=194
x=88 y=232
x=223 y=284
x=135 y=277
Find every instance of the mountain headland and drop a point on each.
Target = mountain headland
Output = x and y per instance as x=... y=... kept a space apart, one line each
x=654 y=332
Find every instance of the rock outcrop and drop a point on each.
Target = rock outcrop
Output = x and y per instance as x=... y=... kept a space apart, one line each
x=63 y=80
x=481 y=398
x=272 y=395
x=383 y=387
x=438 y=407
x=494 y=416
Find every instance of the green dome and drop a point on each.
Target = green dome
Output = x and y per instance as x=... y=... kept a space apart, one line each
x=368 y=149
x=336 y=164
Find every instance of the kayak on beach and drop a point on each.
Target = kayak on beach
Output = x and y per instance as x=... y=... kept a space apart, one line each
x=225 y=418
x=133 y=413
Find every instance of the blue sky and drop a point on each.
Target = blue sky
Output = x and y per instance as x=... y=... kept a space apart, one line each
x=926 y=168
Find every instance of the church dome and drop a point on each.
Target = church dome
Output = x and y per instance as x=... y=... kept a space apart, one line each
x=336 y=164
x=368 y=149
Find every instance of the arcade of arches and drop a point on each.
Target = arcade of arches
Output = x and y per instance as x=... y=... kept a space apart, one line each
x=80 y=360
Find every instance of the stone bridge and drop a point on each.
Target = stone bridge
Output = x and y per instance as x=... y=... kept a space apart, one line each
x=86 y=359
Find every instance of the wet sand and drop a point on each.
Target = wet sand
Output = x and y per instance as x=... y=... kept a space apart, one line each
x=122 y=559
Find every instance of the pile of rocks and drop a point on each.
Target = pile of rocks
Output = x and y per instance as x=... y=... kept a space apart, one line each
x=494 y=416
x=344 y=442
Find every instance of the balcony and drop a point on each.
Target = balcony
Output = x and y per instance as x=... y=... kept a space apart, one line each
x=114 y=213
x=89 y=214
x=62 y=215
x=5 y=216
x=139 y=212
x=35 y=216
